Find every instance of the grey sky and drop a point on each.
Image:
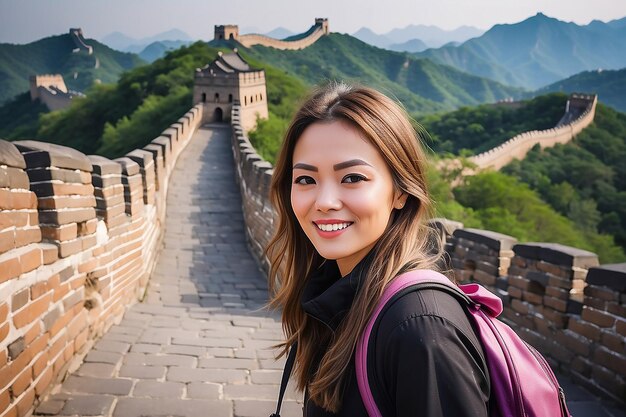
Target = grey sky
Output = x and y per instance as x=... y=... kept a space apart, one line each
x=23 y=21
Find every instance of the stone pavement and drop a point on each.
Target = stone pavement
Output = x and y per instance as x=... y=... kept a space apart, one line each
x=200 y=344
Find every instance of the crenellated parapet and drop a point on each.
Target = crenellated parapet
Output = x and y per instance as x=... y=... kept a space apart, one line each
x=579 y=113
x=301 y=41
x=79 y=236
x=556 y=297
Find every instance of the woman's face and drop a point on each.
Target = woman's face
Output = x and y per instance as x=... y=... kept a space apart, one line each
x=342 y=192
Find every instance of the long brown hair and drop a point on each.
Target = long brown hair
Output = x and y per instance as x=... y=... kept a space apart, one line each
x=405 y=245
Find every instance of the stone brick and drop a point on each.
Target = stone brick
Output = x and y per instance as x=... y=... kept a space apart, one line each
x=20 y=299
x=610 y=360
x=30 y=258
x=60 y=232
x=614 y=342
x=586 y=329
x=232 y=376
x=89 y=405
x=44 y=382
x=16 y=348
x=555 y=303
x=136 y=407
x=9 y=266
x=22 y=382
x=142 y=371
x=559 y=293
x=66 y=202
x=13 y=219
x=574 y=342
x=91 y=385
x=68 y=248
x=598 y=317
x=532 y=297
x=601 y=293
x=26 y=236
x=32 y=311
x=4 y=331
x=25 y=403
x=200 y=390
x=155 y=389
x=515 y=292
x=67 y=216
x=47 y=189
x=616 y=309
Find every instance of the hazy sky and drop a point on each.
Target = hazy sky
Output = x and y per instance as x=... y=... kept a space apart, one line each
x=23 y=21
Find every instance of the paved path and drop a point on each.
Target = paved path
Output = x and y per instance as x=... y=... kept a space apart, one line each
x=198 y=345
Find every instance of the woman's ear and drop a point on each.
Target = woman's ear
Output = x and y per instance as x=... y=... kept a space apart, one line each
x=400 y=200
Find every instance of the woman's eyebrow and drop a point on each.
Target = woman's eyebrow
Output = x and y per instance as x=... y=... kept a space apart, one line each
x=305 y=166
x=336 y=167
x=350 y=163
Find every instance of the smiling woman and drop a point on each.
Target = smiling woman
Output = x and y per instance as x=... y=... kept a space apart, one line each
x=350 y=192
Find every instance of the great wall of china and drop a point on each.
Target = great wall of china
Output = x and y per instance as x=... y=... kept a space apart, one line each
x=79 y=236
x=308 y=38
x=580 y=112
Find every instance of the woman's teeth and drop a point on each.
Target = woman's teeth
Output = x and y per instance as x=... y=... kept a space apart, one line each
x=332 y=227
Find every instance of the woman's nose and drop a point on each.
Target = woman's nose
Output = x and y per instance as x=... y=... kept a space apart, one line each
x=327 y=199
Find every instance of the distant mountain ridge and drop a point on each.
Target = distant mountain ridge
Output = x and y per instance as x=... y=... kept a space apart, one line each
x=125 y=43
x=431 y=36
x=538 y=51
x=55 y=55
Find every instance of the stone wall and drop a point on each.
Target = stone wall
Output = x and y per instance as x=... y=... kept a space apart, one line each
x=255 y=39
x=518 y=146
x=556 y=297
x=79 y=236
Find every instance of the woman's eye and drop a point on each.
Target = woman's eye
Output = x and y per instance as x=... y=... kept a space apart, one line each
x=304 y=180
x=353 y=178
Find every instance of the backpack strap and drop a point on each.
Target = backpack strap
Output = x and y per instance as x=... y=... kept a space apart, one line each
x=418 y=278
x=285 y=379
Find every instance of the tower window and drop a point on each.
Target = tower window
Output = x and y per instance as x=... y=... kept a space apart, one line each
x=204 y=97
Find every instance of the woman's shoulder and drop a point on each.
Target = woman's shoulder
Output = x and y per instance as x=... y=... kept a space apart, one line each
x=418 y=311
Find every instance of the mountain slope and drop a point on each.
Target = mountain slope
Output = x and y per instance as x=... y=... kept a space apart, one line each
x=422 y=85
x=609 y=85
x=537 y=51
x=54 y=55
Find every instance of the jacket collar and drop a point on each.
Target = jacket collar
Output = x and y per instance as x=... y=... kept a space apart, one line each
x=327 y=296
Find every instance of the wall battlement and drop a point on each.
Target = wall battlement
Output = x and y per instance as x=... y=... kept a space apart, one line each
x=79 y=236
x=556 y=297
x=50 y=89
x=79 y=40
x=231 y=32
x=579 y=113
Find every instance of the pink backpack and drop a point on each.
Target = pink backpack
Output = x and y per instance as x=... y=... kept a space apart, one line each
x=523 y=385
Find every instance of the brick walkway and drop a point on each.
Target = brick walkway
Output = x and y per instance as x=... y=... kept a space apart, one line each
x=198 y=345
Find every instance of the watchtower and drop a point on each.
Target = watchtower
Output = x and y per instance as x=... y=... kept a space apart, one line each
x=226 y=32
x=229 y=80
x=323 y=22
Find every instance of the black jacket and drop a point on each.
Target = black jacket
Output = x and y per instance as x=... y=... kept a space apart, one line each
x=423 y=360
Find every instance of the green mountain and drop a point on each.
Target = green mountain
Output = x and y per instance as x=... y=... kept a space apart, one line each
x=609 y=85
x=420 y=84
x=537 y=51
x=55 y=55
